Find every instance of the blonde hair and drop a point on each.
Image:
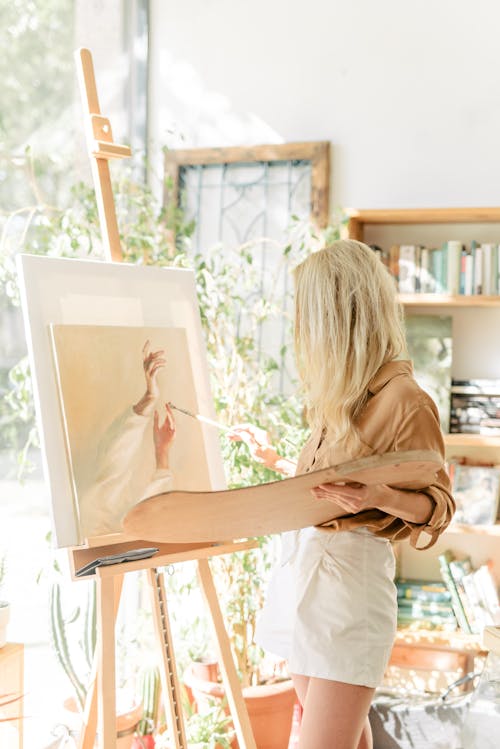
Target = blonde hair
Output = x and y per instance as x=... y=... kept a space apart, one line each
x=348 y=323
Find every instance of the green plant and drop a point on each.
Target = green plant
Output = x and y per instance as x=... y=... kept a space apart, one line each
x=243 y=374
x=73 y=638
x=150 y=691
x=211 y=729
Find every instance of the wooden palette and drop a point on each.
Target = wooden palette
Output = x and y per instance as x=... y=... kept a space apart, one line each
x=188 y=517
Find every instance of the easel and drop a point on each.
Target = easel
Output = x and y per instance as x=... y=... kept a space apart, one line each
x=100 y=707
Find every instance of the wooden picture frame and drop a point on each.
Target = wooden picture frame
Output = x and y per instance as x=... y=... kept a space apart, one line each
x=317 y=152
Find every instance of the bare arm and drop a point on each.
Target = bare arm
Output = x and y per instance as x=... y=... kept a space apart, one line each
x=261 y=450
x=413 y=506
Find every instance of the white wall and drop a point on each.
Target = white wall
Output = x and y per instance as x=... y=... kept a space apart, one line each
x=407 y=92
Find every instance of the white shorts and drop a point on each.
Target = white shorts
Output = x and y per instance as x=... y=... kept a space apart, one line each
x=331 y=606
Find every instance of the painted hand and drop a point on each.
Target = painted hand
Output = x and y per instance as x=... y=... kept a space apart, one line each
x=352 y=497
x=163 y=436
x=152 y=362
x=257 y=441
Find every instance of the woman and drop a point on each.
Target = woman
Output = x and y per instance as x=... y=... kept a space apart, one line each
x=331 y=607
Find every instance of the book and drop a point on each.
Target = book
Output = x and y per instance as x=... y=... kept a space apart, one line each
x=459 y=568
x=468 y=271
x=422 y=590
x=409 y=256
x=475 y=406
x=454 y=264
x=476 y=490
x=488 y=593
x=488 y=282
x=394 y=261
x=438 y=269
x=444 y=564
x=481 y=616
x=478 y=271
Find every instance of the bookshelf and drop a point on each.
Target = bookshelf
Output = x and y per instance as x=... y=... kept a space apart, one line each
x=358 y=220
x=475 y=322
x=441 y=300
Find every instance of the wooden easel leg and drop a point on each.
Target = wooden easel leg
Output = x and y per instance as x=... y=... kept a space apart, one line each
x=239 y=712
x=88 y=732
x=168 y=671
x=106 y=688
x=106 y=208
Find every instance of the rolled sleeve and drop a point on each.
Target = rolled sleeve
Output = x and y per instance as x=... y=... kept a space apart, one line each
x=421 y=431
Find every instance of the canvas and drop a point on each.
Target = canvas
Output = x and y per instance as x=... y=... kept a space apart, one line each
x=114 y=428
x=87 y=324
x=476 y=491
x=429 y=345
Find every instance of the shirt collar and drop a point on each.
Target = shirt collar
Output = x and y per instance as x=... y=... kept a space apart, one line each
x=387 y=372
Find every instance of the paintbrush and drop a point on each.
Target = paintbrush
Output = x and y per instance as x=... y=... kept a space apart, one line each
x=204 y=419
x=211 y=422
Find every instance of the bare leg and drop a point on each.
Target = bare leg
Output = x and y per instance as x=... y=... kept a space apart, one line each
x=335 y=715
x=300 y=683
x=366 y=741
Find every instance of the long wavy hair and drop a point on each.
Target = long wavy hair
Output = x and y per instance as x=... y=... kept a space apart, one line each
x=348 y=323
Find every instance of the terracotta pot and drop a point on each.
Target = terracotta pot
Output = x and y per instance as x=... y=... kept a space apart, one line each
x=126 y=723
x=206 y=670
x=270 y=708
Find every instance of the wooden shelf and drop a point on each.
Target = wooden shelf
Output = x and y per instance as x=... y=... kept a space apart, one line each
x=427 y=216
x=471 y=440
x=438 y=637
x=445 y=300
x=474 y=530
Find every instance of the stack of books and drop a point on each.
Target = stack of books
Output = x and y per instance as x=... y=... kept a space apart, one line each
x=475 y=407
x=452 y=269
x=474 y=595
x=425 y=603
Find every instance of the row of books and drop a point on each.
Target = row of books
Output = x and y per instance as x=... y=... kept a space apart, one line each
x=424 y=603
x=452 y=269
x=465 y=598
x=475 y=407
x=473 y=593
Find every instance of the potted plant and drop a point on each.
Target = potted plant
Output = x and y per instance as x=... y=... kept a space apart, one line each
x=267 y=689
x=4 y=606
x=208 y=730
x=73 y=639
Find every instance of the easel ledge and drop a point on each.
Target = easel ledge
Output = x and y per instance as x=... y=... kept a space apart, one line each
x=167 y=554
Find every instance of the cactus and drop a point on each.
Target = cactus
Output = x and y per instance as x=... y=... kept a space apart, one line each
x=150 y=691
x=59 y=638
x=89 y=639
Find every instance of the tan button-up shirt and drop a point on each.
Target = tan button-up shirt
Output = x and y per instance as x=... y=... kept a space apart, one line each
x=399 y=416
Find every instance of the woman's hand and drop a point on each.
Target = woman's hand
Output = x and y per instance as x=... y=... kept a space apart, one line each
x=352 y=497
x=152 y=362
x=261 y=450
x=163 y=436
x=414 y=506
x=257 y=441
